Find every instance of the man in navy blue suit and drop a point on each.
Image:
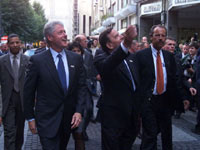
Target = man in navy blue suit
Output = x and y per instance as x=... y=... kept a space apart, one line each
x=56 y=79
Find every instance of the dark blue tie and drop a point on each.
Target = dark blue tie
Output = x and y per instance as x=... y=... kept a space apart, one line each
x=61 y=73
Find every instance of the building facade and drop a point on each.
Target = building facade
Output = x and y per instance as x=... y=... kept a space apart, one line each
x=181 y=17
x=61 y=10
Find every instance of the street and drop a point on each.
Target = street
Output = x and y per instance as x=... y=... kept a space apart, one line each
x=183 y=138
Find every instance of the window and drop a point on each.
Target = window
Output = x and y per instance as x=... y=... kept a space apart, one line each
x=84 y=21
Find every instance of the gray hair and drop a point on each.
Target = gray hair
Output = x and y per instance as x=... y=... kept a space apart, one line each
x=50 y=27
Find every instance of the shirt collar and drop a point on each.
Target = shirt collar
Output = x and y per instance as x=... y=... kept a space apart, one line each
x=154 y=51
x=55 y=54
x=17 y=55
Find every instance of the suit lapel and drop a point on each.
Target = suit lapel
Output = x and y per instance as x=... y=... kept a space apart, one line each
x=7 y=64
x=124 y=70
x=133 y=69
x=23 y=62
x=166 y=60
x=150 y=61
x=71 y=67
x=52 y=68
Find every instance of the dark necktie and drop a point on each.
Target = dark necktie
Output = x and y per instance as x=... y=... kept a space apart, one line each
x=15 y=72
x=160 y=78
x=61 y=73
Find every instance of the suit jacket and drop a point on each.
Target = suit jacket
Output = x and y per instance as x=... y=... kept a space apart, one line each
x=198 y=75
x=39 y=50
x=7 y=79
x=53 y=106
x=147 y=75
x=119 y=101
x=90 y=71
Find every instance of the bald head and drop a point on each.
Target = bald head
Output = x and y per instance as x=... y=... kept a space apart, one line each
x=82 y=40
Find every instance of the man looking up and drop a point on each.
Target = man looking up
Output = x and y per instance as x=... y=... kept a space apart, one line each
x=119 y=103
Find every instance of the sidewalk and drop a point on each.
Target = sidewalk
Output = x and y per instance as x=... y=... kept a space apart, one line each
x=183 y=138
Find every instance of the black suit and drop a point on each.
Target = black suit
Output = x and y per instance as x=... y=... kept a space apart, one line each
x=156 y=110
x=119 y=105
x=54 y=108
x=12 y=102
x=198 y=91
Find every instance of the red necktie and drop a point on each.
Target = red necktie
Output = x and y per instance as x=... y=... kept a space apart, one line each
x=160 y=78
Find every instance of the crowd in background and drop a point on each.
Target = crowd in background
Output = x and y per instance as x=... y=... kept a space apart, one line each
x=186 y=56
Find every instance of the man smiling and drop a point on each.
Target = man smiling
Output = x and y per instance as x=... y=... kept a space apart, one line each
x=58 y=79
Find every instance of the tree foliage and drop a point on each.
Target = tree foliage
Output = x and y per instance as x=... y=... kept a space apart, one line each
x=18 y=16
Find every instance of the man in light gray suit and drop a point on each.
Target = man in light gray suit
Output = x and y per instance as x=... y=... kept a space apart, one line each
x=12 y=74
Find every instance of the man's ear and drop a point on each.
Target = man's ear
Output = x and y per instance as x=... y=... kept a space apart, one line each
x=109 y=45
x=50 y=38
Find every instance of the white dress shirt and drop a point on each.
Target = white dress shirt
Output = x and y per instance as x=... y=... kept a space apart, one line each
x=64 y=59
x=18 y=57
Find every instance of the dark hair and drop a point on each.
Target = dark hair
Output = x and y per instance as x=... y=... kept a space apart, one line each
x=194 y=44
x=155 y=26
x=12 y=36
x=103 y=39
x=75 y=44
x=171 y=38
x=90 y=43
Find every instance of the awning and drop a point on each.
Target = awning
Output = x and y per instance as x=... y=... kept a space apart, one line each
x=108 y=21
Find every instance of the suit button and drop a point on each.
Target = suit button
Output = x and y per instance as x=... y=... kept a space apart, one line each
x=152 y=90
x=149 y=98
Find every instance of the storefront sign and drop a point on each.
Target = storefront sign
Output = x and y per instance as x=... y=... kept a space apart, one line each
x=173 y=3
x=151 y=8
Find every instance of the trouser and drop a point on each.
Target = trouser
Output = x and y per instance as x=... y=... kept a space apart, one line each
x=59 y=142
x=87 y=114
x=118 y=139
x=13 y=122
x=156 y=117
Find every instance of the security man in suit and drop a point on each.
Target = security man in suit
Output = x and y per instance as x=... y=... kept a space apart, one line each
x=12 y=75
x=157 y=71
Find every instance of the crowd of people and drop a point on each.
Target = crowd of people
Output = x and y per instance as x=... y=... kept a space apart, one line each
x=143 y=84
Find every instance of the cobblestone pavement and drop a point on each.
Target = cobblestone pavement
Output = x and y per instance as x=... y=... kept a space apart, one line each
x=183 y=138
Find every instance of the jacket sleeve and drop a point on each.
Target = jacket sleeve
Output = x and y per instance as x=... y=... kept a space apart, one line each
x=30 y=89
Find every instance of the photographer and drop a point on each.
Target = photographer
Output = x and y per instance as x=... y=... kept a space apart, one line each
x=189 y=67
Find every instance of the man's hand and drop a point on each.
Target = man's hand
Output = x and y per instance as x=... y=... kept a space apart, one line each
x=76 y=120
x=186 y=104
x=130 y=33
x=190 y=80
x=32 y=126
x=193 y=91
x=0 y=121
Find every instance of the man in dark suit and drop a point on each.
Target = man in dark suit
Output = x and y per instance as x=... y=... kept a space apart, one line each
x=57 y=78
x=81 y=38
x=157 y=71
x=118 y=107
x=12 y=75
x=43 y=46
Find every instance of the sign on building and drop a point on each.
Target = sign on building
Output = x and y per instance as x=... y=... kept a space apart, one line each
x=4 y=39
x=152 y=8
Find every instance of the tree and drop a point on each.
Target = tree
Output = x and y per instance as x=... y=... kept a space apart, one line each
x=41 y=19
x=18 y=16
